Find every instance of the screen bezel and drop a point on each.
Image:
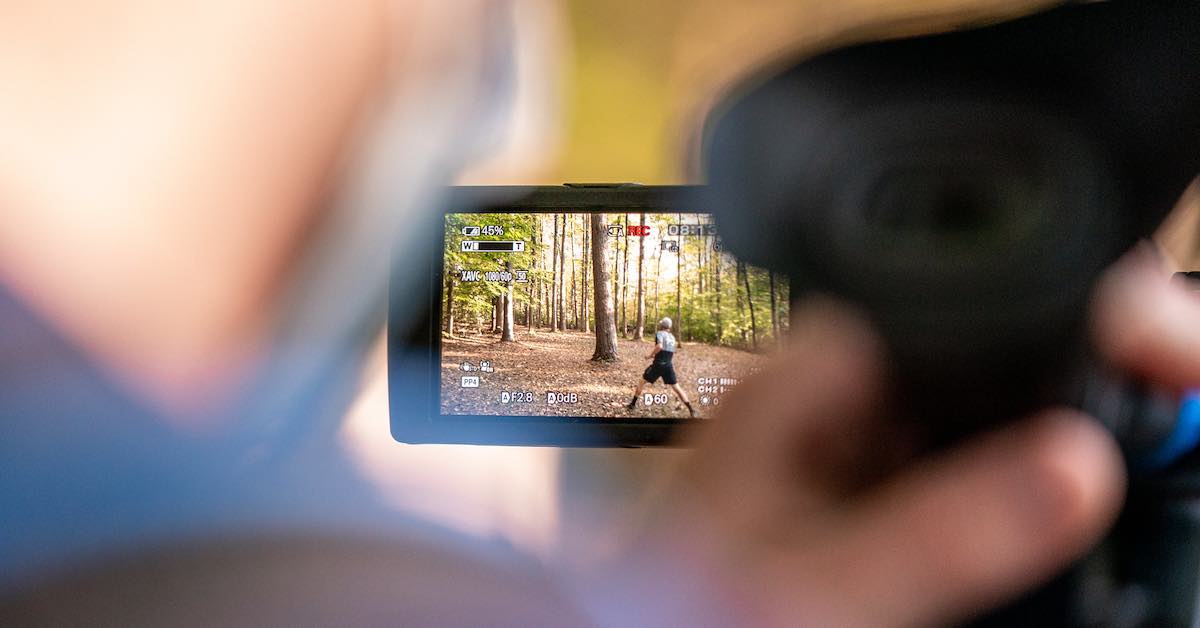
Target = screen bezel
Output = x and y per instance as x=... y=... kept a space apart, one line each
x=414 y=352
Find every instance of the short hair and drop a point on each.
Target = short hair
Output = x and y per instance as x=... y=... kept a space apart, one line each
x=665 y=323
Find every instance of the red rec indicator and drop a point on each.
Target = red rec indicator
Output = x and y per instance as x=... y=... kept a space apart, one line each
x=638 y=231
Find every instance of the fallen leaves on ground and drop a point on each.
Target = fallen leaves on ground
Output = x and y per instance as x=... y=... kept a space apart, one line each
x=544 y=362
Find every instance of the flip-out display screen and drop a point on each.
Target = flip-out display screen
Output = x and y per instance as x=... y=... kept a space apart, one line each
x=600 y=314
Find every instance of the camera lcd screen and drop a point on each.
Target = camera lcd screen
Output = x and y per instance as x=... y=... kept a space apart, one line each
x=571 y=315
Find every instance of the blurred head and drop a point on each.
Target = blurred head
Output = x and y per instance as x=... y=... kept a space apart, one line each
x=267 y=171
x=199 y=204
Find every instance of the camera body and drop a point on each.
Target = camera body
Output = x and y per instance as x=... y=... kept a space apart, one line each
x=966 y=190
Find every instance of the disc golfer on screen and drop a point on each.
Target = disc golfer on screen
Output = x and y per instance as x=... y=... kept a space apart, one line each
x=663 y=366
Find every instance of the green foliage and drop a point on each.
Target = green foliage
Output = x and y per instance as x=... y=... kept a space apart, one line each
x=474 y=299
x=700 y=317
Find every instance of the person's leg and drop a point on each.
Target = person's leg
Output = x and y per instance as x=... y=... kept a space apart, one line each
x=637 y=393
x=684 y=398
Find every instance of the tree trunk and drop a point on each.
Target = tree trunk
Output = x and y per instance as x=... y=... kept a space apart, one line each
x=616 y=277
x=750 y=300
x=554 y=277
x=774 y=317
x=506 y=327
x=700 y=300
x=625 y=279
x=495 y=314
x=657 y=276
x=583 y=277
x=679 y=280
x=562 y=284
x=639 y=329
x=574 y=294
x=537 y=266
x=450 y=303
x=533 y=247
x=741 y=305
x=606 y=329
x=717 y=280
x=544 y=304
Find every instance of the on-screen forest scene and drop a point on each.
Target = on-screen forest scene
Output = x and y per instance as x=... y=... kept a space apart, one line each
x=557 y=314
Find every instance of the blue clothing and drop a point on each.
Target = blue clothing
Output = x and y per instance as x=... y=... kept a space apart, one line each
x=87 y=471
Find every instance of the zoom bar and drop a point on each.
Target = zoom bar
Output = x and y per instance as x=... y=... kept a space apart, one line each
x=492 y=246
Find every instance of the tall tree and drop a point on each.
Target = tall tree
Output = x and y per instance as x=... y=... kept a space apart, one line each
x=658 y=270
x=583 y=274
x=700 y=300
x=506 y=326
x=774 y=316
x=679 y=278
x=639 y=329
x=606 y=329
x=574 y=294
x=544 y=287
x=750 y=300
x=562 y=283
x=554 y=277
x=529 y=306
x=741 y=305
x=717 y=280
x=533 y=248
x=536 y=280
x=616 y=274
x=625 y=278
x=541 y=299
x=450 y=301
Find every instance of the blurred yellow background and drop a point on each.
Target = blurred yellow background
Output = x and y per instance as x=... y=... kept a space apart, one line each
x=642 y=75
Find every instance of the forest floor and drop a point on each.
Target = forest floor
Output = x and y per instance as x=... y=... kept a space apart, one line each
x=544 y=362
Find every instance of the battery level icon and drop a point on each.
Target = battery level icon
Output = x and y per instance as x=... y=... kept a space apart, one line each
x=470 y=232
x=492 y=246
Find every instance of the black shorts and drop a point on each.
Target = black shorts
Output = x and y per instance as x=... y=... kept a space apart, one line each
x=664 y=370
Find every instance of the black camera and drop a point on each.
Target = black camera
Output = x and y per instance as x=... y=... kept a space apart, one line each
x=966 y=190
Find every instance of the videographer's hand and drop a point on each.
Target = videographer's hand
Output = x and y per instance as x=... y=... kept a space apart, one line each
x=804 y=506
x=1147 y=323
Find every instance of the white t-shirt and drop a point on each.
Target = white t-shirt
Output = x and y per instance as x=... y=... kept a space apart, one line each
x=665 y=340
